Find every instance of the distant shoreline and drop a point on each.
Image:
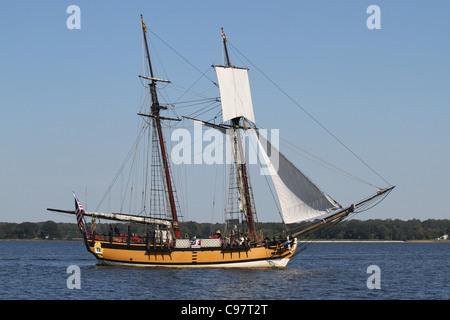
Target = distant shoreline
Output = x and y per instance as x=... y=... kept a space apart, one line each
x=349 y=231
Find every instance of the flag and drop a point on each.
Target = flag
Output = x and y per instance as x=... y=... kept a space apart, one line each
x=143 y=24
x=223 y=35
x=79 y=211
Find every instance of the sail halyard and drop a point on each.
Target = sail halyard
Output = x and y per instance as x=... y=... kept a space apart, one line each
x=155 y=114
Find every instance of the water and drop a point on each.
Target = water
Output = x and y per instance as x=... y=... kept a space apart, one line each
x=38 y=270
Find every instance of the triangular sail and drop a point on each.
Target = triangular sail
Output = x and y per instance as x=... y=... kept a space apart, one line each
x=235 y=93
x=299 y=197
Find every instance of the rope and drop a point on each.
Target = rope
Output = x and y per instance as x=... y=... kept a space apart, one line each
x=122 y=166
x=181 y=56
x=321 y=162
x=310 y=115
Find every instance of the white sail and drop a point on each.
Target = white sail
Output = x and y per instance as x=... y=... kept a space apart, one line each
x=299 y=197
x=235 y=93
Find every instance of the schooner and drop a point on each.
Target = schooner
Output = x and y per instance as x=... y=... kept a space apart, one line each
x=163 y=243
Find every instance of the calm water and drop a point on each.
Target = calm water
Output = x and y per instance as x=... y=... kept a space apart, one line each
x=38 y=270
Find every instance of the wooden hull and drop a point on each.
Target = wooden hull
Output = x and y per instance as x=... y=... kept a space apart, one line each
x=261 y=255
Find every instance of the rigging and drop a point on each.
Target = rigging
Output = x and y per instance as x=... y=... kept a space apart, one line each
x=312 y=117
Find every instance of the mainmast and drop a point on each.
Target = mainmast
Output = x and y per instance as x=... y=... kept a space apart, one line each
x=155 y=109
x=242 y=176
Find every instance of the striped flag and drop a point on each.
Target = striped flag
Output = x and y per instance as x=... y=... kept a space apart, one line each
x=79 y=211
x=223 y=35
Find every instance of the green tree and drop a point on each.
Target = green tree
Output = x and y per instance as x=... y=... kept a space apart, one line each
x=26 y=230
x=6 y=230
x=49 y=230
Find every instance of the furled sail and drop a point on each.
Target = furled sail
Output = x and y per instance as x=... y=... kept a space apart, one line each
x=120 y=217
x=235 y=93
x=299 y=197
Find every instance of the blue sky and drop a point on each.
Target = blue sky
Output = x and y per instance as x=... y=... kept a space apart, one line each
x=69 y=98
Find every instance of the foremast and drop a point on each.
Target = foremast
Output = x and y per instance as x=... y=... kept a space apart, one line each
x=156 y=119
x=242 y=173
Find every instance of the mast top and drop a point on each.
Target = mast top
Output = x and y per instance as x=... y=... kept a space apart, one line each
x=223 y=35
x=143 y=24
x=224 y=38
x=155 y=104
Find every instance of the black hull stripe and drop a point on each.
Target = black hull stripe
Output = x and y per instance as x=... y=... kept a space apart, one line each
x=193 y=263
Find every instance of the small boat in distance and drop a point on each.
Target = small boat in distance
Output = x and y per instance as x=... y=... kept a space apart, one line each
x=162 y=243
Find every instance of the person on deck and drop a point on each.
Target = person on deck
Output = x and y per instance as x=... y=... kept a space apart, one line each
x=117 y=230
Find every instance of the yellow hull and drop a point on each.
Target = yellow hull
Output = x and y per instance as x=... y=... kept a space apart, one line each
x=260 y=255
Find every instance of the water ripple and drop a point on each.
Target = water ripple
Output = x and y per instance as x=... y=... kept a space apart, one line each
x=38 y=270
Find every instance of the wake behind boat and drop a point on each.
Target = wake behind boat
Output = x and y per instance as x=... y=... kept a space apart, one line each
x=240 y=244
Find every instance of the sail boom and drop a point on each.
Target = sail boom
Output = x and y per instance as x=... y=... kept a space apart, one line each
x=341 y=214
x=221 y=127
x=120 y=217
x=338 y=215
x=154 y=79
x=157 y=117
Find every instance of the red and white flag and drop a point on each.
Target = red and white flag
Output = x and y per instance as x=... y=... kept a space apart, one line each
x=79 y=211
x=223 y=35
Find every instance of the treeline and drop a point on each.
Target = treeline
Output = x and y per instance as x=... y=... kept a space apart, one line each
x=39 y=230
x=347 y=230
x=389 y=229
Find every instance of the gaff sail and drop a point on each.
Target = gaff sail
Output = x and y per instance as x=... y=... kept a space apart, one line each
x=300 y=198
